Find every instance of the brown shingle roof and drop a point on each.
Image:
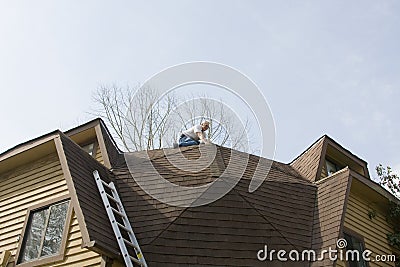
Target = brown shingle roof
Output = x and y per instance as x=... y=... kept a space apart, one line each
x=81 y=166
x=227 y=232
x=329 y=211
x=308 y=162
x=286 y=212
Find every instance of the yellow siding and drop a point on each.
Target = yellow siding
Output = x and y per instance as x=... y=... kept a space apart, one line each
x=374 y=231
x=74 y=254
x=33 y=184
x=98 y=156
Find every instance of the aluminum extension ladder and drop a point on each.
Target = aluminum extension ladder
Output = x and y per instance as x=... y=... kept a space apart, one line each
x=117 y=227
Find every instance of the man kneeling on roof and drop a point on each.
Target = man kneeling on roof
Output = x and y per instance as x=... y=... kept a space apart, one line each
x=195 y=135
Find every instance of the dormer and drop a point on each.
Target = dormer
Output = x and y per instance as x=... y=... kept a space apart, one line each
x=325 y=157
x=337 y=157
x=94 y=138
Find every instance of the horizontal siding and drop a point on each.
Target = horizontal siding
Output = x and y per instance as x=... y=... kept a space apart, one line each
x=374 y=231
x=33 y=184
x=98 y=156
x=22 y=188
x=74 y=254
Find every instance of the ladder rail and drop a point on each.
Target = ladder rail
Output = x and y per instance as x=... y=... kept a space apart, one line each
x=116 y=226
x=127 y=224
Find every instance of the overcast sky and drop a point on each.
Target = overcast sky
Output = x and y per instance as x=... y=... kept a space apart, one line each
x=325 y=67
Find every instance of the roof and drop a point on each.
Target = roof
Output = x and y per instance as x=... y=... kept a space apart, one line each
x=288 y=211
x=310 y=162
x=33 y=142
x=330 y=139
x=93 y=215
x=330 y=206
x=228 y=231
x=27 y=151
x=307 y=164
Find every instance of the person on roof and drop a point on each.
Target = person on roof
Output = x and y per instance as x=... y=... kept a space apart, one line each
x=195 y=135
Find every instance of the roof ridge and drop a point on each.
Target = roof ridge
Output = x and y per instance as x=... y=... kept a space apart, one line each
x=259 y=213
x=238 y=194
x=67 y=132
x=166 y=228
x=102 y=123
x=308 y=148
x=288 y=173
x=274 y=164
x=321 y=181
x=186 y=208
x=171 y=149
x=344 y=148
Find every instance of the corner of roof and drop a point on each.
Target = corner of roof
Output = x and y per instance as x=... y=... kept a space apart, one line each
x=22 y=147
x=373 y=185
x=107 y=132
x=333 y=141
x=323 y=139
x=325 y=179
x=77 y=129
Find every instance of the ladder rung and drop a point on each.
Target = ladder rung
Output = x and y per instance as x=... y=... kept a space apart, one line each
x=118 y=212
x=106 y=185
x=137 y=257
x=130 y=243
x=135 y=260
x=123 y=227
x=113 y=199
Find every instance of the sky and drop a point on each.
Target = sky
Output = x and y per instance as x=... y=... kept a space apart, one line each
x=325 y=67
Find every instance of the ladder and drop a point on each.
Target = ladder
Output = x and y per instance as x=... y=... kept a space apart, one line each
x=117 y=227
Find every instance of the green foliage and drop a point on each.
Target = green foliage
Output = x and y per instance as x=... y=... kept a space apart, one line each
x=394 y=239
x=391 y=181
x=388 y=179
x=394 y=211
x=371 y=214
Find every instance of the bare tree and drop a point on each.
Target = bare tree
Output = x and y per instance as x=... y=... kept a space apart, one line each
x=137 y=120
x=225 y=127
x=141 y=120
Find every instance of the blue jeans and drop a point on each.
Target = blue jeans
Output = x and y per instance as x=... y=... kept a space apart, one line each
x=187 y=141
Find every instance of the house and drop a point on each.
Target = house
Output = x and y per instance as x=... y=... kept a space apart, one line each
x=51 y=212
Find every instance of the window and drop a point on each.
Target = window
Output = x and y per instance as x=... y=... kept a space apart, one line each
x=331 y=167
x=354 y=243
x=44 y=232
x=89 y=148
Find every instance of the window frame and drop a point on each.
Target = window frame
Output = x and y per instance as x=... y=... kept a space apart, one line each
x=356 y=235
x=95 y=147
x=47 y=259
x=334 y=163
